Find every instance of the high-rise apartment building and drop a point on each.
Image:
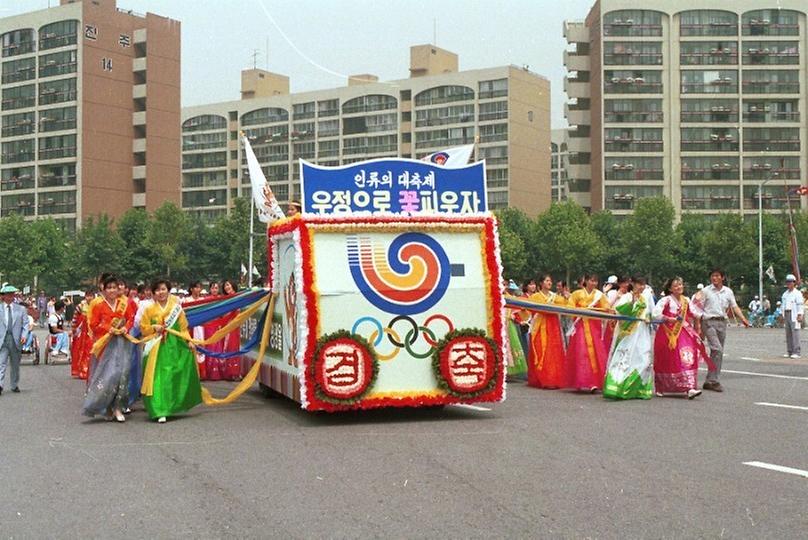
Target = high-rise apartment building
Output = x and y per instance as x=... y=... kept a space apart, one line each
x=506 y=110
x=81 y=82
x=698 y=101
x=559 y=161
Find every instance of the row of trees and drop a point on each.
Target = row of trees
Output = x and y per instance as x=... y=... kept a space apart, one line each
x=567 y=242
x=139 y=246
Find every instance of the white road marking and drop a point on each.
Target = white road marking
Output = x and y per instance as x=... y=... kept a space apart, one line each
x=782 y=406
x=472 y=407
x=772 y=375
x=751 y=359
x=778 y=468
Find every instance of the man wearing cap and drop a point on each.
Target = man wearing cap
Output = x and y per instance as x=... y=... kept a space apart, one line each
x=793 y=309
x=717 y=300
x=12 y=318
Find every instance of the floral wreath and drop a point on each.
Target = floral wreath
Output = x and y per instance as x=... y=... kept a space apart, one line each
x=440 y=361
x=369 y=358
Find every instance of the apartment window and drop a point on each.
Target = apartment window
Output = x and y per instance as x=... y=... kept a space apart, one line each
x=454 y=114
x=710 y=197
x=328 y=128
x=57 y=202
x=205 y=179
x=204 y=141
x=57 y=91
x=709 y=139
x=706 y=22
x=771 y=22
x=22 y=204
x=632 y=82
x=494 y=155
x=771 y=52
x=772 y=81
x=57 y=119
x=17 y=42
x=369 y=103
x=329 y=107
x=269 y=134
x=406 y=95
x=60 y=63
x=632 y=22
x=203 y=198
x=710 y=168
x=496 y=178
x=17 y=151
x=634 y=168
x=497 y=199
x=693 y=53
x=58 y=34
x=370 y=145
x=624 y=197
x=57 y=147
x=204 y=122
x=755 y=110
x=302 y=130
x=709 y=82
x=17 y=178
x=301 y=111
x=277 y=172
x=493 y=133
x=304 y=150
x=633 y=140
x=272 y=152
x=631 y=53
x=204 y=161
x=58 y=175
x=19 y=97
x=444 y=137
x=771 y=139
x=709 y=110
x=632 y=110
x=579 y=185
x=328 y=149
x=772 y=197
x=493 y=89
x=493 y=110
x=15 y=125
x=207 y=216
x=443 y=94
x=268 y=115
x=763 y=168
x=23 y=69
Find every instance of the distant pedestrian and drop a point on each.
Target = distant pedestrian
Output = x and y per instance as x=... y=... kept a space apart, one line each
x=793 y=309
x=12 y=319
x=42 y=308
x=717 y=300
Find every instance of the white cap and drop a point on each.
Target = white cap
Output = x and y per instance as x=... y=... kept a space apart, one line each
x=700 y=286
x=791 y=277
x=612 y=279
x=756 y=297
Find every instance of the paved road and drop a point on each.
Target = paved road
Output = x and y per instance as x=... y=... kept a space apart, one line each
x=541 y=464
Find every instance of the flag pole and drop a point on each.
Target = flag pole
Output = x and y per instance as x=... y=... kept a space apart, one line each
x=250 y=257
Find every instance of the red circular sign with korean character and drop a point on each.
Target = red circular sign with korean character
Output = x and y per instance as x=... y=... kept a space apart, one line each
x=343 y=368
x=467 y=364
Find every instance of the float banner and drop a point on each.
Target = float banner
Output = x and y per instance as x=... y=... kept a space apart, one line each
x=399 y=186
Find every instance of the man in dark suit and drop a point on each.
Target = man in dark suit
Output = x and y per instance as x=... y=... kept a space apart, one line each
x=12 y=318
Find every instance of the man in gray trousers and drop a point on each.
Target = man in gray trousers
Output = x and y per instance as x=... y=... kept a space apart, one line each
x=12 y=318
x=793 y=308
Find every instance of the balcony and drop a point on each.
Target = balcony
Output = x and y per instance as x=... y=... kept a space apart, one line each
x=139 y=64
x=579 y=171
x=716 y=114
x=138 y=145
x=627 y=171
x=631 y=117
x=714 y=202
x=631 y=145
x=764 y=27
x=631 y=58
x=631 y=85
x=138 y=200
x=139 y=172
x=576 y=62
x=576 y=32
x=577 y=117
x=716 y=143
x=717 y=171
x=715 y=28
x=713 y=57
x=771 y=145
x=579 y=144
x=763 y=114
x=723 y=85
x=140 y=36
x=139 y=118
x=764 y=171
x=765 y=56
x=576 y=88
x=139 y=91
x=771 y=87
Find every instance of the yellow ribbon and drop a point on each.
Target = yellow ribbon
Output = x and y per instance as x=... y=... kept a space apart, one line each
x=673 y=334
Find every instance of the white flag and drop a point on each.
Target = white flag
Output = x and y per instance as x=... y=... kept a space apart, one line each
x=265 y=202
x=770 y=273
x=243 y=270
x=255 y=271
x=452 y=158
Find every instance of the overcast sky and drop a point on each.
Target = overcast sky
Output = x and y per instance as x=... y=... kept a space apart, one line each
x=317 y=43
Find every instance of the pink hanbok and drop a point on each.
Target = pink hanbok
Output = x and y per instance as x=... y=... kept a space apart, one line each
x=678 y=349
x=587 y=352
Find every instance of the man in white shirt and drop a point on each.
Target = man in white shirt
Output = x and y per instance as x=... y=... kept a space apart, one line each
x=716 y=300
x=754 y=305
x=793 y=310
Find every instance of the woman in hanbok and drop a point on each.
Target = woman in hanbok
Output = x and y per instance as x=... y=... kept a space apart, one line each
x=109 y=320
x=545 y=368
x=170 y=378
x=678 y=349
x=232 y=341
x=614 y=292
x=629 y=374
x=197 y=332
x=586 y=353
x=82 y=340
x=515 y=359
x=217 y=369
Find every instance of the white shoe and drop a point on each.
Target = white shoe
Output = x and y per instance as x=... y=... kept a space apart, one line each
x=659 y=394
x=786 y=355
x=796 y=356
x=119 y=417
x=692 y=393
x=161 y=420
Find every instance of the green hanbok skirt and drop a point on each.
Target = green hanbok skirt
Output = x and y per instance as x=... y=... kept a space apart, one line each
x=176 y=380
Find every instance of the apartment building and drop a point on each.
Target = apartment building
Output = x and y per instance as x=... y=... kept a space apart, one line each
x=81 y=82
x=559 y=160
x=505 y=110
x=701 y=102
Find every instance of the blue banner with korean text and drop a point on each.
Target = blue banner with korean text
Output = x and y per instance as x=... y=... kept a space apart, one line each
x=399 y=186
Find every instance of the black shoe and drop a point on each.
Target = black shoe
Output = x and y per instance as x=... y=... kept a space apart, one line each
x=16 y=390
x=1 y=390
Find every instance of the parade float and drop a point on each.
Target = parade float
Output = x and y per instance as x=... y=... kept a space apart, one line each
x=387 y=290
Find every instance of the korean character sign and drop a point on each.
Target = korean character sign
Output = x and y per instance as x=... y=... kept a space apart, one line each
x=393 y=185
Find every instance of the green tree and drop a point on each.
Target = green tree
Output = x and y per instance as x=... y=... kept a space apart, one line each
x=133 y=228
x=20 y=248
x=568 y=242
x=689 y=262
x=168 y=237
x=730 y=244
x=648 y=237
x=517 y=222
x=50 y=249
x=99 y=249
x=609 y=233
x=512 y=253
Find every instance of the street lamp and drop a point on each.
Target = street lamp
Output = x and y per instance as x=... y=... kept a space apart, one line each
x=760 y=234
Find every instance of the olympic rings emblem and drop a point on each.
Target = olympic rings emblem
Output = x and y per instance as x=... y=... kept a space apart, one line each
x=412 y=334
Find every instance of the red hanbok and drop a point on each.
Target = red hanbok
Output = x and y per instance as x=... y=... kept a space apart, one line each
x=677 y=347
x=82 y=343
x=217 y=369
